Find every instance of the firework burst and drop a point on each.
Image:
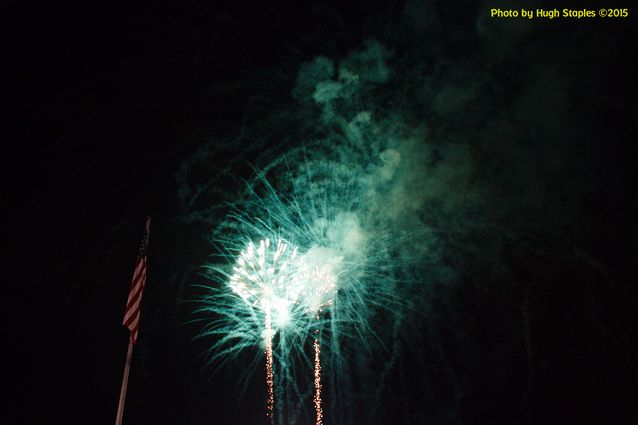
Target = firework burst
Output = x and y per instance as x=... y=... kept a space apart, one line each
x=316 y=270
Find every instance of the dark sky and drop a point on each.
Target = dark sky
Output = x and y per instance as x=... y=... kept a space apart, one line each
x=108 y=101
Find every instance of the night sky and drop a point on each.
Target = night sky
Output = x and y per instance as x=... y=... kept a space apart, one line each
x=520 y=193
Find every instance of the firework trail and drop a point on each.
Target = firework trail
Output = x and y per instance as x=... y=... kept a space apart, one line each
x=317 y=381
x=319 y=283
x=270 y=375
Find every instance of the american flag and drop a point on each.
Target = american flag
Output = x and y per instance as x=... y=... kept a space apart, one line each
x=132 y=311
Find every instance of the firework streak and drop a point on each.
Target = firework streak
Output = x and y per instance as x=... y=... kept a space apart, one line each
x=270 y=381
x=317 y=397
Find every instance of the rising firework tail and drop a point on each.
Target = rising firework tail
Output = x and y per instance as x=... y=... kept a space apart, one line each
x=317 y=400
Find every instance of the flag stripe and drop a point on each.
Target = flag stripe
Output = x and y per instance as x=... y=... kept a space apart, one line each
x=132 y=312
x=130 y=306
x=139 y=270
x=136 y=291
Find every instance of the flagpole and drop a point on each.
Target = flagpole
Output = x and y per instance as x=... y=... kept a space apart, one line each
x=132 y=315
x=127 y=368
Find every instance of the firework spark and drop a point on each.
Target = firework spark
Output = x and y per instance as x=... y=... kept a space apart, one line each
x=317 y=278
x=262 y=275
